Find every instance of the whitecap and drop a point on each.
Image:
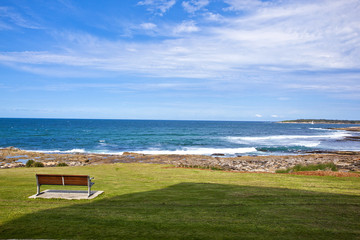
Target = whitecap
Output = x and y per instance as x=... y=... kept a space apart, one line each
x=321 y=129
x=288 y=140
x=286 y=137
x=199 y=151
x=76 y=150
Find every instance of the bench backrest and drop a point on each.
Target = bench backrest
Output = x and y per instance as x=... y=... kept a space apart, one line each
x=55 y=179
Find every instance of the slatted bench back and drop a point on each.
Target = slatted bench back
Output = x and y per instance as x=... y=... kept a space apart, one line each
x=54 y=179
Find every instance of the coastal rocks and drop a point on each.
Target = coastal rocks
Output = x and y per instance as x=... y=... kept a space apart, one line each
x=11 y=165
x=73 y=164
x=270 y=163
x=50 y=164
x=352 y=138
x=351 y=129
x=13 y=157
x=345 y=161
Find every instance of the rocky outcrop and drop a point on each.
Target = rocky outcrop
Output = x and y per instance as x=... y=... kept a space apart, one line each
x=345 y=161
x=351 y=129
x=273 y=163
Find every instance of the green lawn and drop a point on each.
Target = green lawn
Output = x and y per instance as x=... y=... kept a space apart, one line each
x=145 y=201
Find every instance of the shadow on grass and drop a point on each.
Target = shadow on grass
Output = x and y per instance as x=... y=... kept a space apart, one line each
x=198 y=211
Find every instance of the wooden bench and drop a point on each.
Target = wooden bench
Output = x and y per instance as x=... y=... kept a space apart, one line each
x=60 y=179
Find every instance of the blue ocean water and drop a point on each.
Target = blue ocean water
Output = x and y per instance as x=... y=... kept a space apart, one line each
x=166 y=137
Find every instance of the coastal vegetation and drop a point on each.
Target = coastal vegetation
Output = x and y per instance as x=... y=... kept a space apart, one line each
x=322 y=121
x=154 y=201
x=32 y=163
x=62 y=164
x=310 y=167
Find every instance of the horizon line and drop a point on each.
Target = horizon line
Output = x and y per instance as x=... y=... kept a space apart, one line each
x=137 y=119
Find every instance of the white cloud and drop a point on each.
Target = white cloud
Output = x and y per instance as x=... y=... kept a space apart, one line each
x=274 y=116
x=194 y=5
x=186 y=27
x=214 y=17
x=258 y=115
x=148 y=26
x=158 y=6
x=244 y=4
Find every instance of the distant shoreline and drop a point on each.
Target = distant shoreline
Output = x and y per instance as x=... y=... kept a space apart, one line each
x=321 y=121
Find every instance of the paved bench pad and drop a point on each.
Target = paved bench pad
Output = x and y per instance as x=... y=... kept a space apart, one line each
x=67 y=194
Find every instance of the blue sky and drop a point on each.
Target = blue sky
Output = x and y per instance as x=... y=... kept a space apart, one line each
x=180 y=59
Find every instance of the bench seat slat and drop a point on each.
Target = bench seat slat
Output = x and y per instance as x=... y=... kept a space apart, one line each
x=50 y=180
x=80 y=181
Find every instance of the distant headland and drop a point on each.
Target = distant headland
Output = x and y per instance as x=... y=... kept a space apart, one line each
x=321 y=121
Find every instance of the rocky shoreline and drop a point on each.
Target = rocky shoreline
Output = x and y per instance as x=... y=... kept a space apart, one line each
x=321 y=121
x=351 y=129
x=345 y=161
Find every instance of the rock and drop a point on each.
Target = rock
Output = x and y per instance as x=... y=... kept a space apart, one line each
x=13 y=149
x=217 y=154
x=50 y=164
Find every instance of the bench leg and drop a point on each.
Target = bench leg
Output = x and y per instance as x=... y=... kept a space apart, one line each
x=38 y=190
x=89 y=189
x=38 y=186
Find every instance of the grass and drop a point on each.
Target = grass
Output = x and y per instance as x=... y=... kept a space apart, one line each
x=311 y=167
x=214 y=168
x=148 y=201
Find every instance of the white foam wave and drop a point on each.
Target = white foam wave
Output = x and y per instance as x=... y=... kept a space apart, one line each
x=184 y=151
x=76 y=150
x=306 y=144
x=321 y=129
x=286 y=137
x=199 y=151
x=288 y=140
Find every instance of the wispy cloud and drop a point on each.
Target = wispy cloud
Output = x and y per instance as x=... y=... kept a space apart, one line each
x=111 y=87
x=9 y=18
x=186 y=27
x=235 y=5
x=148 y=26
x=266 y=44
x=194 y=5
x=213 y=17
x=157 y=6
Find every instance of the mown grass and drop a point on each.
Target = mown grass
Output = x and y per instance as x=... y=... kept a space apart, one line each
x=144 y=201
x=310 y=167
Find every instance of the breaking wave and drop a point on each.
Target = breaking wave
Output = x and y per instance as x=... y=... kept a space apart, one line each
x=288 y=140
x=76 y=150
x=200 y=151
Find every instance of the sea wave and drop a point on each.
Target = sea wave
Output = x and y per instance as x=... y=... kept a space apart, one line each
x=321 y=129
x=288 y=140
x=183 y=151
x=200 y=151
x=76 y=150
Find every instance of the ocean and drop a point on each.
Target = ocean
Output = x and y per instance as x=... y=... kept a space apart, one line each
x=230 y=138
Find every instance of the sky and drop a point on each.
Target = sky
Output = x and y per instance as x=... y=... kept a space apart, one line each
x=240 y=60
